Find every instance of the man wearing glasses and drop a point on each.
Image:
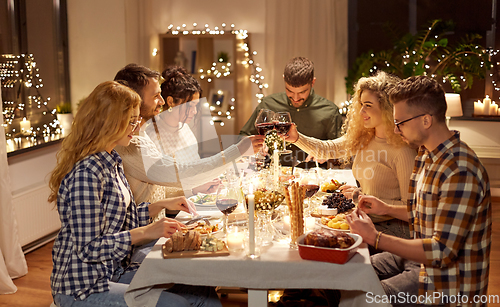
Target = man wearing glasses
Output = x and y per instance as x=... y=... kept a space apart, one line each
x=449 y=210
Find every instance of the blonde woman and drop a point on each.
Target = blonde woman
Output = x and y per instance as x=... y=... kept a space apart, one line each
x=382 y=161
x=100 y=221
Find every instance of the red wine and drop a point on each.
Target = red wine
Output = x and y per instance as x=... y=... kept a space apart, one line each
x=264 y=128
x=226 y=206
x=283 y=128
x=311 y=189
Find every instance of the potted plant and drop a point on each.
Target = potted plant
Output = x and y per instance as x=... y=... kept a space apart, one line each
x=64 y=116
x=222 y=57
x=427 y=53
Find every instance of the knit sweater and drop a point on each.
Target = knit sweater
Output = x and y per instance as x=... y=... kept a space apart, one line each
x=153 y=176
x=382 y=170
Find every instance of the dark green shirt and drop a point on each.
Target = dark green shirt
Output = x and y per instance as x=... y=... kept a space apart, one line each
x=318 y=117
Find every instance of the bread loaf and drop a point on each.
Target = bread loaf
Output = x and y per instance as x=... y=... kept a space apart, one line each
x=180 y=241
x=329 y=238
x=169 y=245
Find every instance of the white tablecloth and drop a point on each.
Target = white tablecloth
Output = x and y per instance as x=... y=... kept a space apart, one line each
x=279 y=267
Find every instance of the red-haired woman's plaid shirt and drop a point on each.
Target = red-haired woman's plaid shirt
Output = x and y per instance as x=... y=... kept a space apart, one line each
x=452 y=214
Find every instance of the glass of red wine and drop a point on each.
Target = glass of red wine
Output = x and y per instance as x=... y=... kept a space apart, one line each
x=229 y=195
x=265 y=121
x=310 y=182
x=264 y=124
x=282 y=125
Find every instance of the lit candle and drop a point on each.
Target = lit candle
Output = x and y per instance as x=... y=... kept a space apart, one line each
x=251 y=221
x=276 y=161
x=478 y=108
x=25 y=125
x=234 y=240
x=493 y=109
x=310 y=223
x=10 y=145
x=487 y=104
x=286 y=220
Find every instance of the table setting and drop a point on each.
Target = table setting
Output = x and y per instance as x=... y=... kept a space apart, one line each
x=261 y=257
x=267 y=237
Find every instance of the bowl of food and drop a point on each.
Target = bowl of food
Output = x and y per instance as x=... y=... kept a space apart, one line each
x=328 y=245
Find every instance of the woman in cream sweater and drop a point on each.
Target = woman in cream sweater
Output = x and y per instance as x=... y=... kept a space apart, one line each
x=382 y=161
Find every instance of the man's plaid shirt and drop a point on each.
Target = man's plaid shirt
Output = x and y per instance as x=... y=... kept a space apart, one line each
x=452 y=214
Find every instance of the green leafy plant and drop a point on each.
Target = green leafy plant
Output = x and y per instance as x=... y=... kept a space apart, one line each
x=63 y=108
x=427 y=53
x=222 y=57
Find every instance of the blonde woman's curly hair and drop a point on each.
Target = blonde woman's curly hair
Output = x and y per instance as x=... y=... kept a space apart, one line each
x=355 y=134
x=102 y=119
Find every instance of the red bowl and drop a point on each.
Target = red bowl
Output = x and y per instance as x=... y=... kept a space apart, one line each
x=327 y=254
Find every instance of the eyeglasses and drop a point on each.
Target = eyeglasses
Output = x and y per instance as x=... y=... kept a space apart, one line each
x=135 y=123
x=406 y=120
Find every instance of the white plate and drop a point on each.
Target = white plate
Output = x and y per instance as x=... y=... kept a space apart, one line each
x=196 y=198
x=318 y=221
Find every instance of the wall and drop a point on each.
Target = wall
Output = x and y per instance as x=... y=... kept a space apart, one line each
x=484 y=139
x=106 y=35
x=97 y=46
x=29 y=174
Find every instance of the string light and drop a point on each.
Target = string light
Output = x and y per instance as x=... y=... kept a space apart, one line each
x=18 y=71
x=222 y=69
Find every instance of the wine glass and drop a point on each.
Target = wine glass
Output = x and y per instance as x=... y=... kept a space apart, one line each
x=229 y=195
x=265 y=121
x=310 y=182
x=264 y=124
x=282 y=125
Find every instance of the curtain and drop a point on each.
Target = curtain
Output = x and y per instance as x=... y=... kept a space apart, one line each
x=12 y=261
x=315 y=29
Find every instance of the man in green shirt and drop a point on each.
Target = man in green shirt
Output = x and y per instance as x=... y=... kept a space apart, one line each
x=314 y=115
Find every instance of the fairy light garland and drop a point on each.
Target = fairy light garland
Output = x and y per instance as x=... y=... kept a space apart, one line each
x=17 y=71
x=221 y=69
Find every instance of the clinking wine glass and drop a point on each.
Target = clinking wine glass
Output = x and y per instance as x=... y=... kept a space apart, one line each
x=229 y=195
x=264 y=124
x=282 y=125
x=310 y=182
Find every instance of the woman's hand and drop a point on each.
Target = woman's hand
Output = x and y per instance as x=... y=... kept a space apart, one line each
x=311 y=158
x=293 y=135
x=347 y=190
x=165 y=227
x=208 y=187
x=173 y=203
x=250 y=145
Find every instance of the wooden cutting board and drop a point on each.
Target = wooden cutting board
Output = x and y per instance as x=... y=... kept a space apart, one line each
x=194 y=254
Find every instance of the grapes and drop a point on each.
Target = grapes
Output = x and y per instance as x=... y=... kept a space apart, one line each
x=338 y=201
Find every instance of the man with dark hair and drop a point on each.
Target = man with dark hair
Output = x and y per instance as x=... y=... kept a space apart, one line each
x=151 y=174
x=314 y=115
x=448 y=210
x=146 y=83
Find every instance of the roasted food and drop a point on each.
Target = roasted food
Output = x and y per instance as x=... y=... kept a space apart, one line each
x=191 y=240
x=328 y=238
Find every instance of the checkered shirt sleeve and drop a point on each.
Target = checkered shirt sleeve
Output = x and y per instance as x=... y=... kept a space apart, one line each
x=452 y=214
x=94 y=240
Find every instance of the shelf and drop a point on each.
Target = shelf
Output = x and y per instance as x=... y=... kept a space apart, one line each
x=25 y=147
x=478 y=118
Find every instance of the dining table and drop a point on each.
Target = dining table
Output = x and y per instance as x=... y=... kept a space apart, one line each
x=278 y=267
